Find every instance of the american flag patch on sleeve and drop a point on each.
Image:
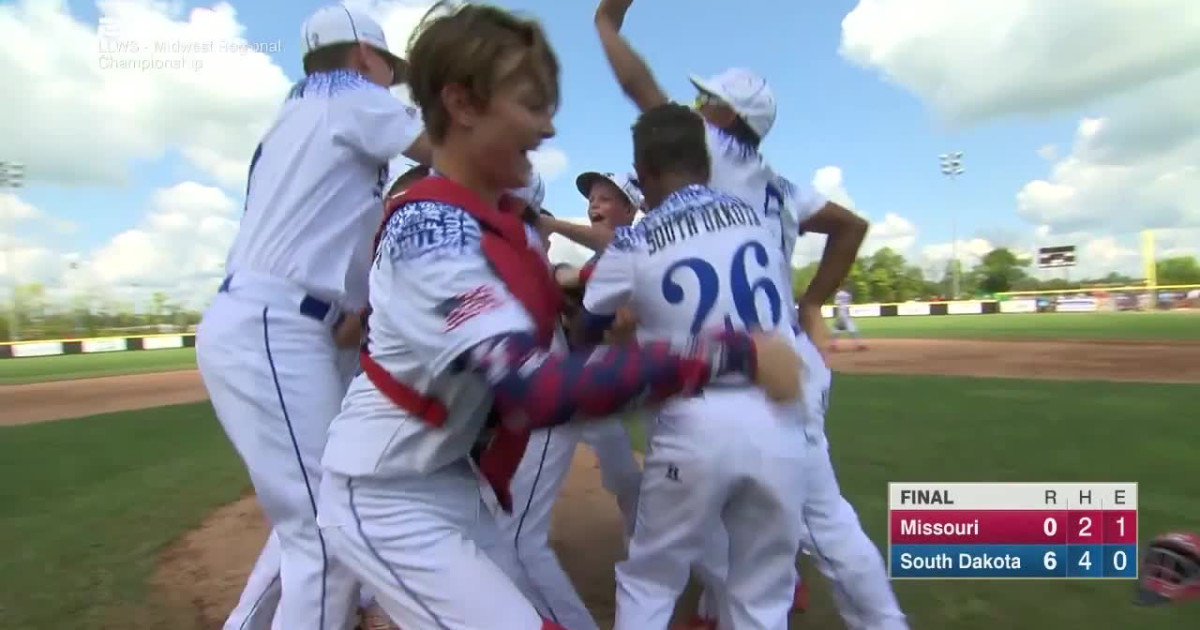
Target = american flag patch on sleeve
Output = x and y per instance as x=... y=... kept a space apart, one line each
x=460 y=308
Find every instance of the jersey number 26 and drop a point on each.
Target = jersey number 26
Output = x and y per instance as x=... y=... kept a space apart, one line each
x=743 y=292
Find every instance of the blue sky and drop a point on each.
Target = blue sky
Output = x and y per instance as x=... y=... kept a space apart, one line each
x=831 y=113
x=882 y=121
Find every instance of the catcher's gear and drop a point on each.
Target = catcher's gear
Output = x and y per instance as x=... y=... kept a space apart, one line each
x=1170 y=570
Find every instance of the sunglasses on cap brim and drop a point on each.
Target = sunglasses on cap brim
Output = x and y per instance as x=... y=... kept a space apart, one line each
x=704 y=98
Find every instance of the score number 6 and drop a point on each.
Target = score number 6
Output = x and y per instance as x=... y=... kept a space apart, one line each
x=743 y=291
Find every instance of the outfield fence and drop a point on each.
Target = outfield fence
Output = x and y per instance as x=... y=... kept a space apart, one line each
x=1092 y=301
x=54 y=347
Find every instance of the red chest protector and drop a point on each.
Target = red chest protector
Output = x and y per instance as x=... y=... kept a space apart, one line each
x=525 y=274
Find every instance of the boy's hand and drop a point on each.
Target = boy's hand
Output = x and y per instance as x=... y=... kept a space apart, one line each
x=624 y=327
x=614 y=11
x=777 y=368
x=568 y=278
x=349 y=333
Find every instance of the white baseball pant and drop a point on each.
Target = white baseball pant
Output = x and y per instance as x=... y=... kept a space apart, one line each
x=535 y=488
x=830 y=529
x=729 y=457
x=276 y=380
x=427 y=548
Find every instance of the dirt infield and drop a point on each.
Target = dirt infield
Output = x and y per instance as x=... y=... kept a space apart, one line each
x=206 y=568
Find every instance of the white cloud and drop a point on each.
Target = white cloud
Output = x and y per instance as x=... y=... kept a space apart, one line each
x=179 y=246
x=1138 y=167
x=828 y=181
x=31 y=261
x=893 y=231
x=85 y=117
x=933 y=258
x=1135 y=161
x=979 y=59
x=549 y=162
x=399 y=18
x=14 y=209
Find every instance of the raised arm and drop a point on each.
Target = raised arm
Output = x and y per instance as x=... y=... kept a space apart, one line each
x=593 y=237
x=846 y=231
x=631 y=70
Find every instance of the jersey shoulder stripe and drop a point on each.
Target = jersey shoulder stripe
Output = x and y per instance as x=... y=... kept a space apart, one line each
x=430 y=230
x=329 y=84
x=629 y=238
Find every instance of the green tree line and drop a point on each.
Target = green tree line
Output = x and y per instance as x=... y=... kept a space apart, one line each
x=883 y=276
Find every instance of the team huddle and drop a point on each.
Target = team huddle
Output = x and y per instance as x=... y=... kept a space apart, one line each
x=407 y=376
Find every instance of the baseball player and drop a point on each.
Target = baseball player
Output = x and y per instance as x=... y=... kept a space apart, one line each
x=463 y=356
x=277 y=347
x=739 y=110
x=704 y=260
x=613 y=201
x=841 y=307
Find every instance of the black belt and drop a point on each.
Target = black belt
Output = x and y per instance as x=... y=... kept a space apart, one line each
x=310 y=306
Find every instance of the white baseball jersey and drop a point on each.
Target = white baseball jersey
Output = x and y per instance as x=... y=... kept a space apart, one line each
x=310 y=214
x=742 y=171
x=433 y=297
x=701 y=261
x=842 y=300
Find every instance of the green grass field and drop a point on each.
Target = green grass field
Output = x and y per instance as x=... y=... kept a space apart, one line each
x=89 y=503
x=891 y=428
x=72 y=366
x=1134 y=326
x=1177 y=325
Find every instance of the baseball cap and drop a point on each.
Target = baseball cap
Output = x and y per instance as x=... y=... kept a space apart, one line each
x=340 y=24
x=746 y=93
x=624 y=183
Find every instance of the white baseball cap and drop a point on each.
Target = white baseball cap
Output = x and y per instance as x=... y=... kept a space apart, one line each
x=340 y=24
x=746 y=93
x=533 y=193
x=624 y=183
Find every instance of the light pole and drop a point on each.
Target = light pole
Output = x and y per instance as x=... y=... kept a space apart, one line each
x=12 y=177
x=952 y=167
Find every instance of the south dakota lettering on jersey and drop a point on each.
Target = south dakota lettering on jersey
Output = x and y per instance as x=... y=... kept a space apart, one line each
x=423 y=229
x=690 y=214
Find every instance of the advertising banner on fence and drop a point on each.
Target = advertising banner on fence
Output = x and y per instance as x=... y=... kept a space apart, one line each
x=864 y=310
x=1018 y=306
x=162 y=343
x=37 y=349
x=110 y=344
x=964 y=308
x=1076 y=305
x=912 y=308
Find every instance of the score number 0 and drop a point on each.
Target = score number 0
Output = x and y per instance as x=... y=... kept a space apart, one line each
x=1050 y=560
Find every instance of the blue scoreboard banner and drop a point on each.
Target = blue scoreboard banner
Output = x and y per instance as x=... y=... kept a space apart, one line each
x=1012 y=530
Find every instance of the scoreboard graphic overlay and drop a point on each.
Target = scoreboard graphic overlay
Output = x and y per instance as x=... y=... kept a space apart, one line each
x=1013 y=530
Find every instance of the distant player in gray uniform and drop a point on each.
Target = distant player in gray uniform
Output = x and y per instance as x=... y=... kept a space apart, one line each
x=841 y=311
